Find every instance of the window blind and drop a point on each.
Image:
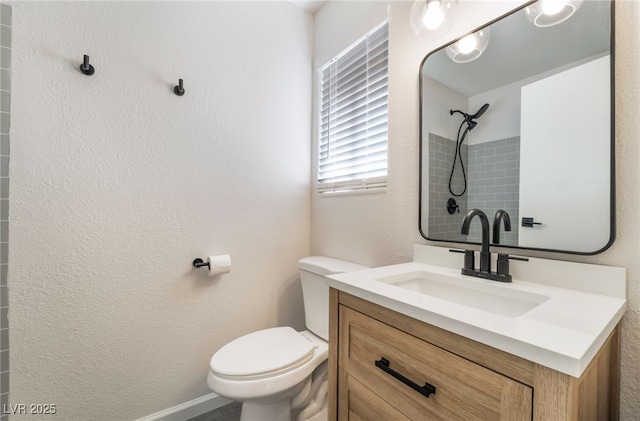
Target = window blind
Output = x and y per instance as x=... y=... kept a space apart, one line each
x=353 y=116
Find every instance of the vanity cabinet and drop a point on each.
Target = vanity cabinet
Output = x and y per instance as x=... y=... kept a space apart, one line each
x=387 y=366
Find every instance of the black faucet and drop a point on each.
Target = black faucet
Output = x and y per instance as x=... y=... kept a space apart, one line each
x=485 y=255
x=501 y=215
x=502 y=272
x=502 y=266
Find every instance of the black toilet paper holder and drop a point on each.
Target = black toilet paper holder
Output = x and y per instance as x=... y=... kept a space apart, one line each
x=198 y=263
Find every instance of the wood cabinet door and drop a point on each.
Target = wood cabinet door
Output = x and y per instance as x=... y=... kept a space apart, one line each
x=358 y=403
x=464 y=390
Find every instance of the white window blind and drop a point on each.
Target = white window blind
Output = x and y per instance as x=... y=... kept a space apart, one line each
x=353 y=116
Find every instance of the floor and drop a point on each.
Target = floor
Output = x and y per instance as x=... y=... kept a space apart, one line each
x=230 y=412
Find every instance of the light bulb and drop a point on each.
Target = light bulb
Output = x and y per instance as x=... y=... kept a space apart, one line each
x=544 y=13
x=431 y=19
x=469 y=47
x=467 y=44
x=433 y=15
x=553 y=7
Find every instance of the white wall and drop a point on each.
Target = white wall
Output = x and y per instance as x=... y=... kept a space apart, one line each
x=502 y=119
x=117 y=185
x=571 y=157
x=380 y=229
x=437 y=118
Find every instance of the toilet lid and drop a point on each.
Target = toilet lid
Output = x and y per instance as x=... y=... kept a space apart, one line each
x=261 y=353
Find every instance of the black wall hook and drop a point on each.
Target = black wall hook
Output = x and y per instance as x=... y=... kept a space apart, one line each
x=179 y=90
x=86 y=68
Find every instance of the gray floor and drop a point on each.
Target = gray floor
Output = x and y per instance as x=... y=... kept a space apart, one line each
x=230 y=412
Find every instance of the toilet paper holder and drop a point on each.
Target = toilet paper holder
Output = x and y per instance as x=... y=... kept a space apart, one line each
x=198 y=262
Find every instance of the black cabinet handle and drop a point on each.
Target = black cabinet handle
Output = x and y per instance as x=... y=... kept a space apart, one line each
x=425 y=390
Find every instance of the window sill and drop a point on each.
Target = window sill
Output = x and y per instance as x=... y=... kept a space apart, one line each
x=353 y=192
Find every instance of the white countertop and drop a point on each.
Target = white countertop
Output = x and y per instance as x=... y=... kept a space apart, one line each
x=563 y=333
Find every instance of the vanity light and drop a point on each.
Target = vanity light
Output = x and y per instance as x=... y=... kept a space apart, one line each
x=431 y=19
x=470 y=47
x=545 y=13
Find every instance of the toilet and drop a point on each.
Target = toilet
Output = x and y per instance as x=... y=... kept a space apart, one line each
x=280 y=374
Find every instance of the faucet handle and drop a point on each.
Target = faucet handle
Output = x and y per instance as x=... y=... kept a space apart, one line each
x=503 y=263
x=469 y=258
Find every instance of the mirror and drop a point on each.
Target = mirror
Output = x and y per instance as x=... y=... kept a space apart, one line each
x=542 y=149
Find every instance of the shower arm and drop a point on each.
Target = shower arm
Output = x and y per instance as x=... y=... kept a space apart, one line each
x=465 y=115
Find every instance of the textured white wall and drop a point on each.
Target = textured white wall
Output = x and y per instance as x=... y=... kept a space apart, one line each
x=117 y=184
x=380 y=229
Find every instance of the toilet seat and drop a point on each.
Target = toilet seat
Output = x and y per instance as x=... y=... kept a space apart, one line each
x=261 y=354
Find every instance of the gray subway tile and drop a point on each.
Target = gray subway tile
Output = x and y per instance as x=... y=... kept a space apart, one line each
x=486 y=182
x=486 y=168
x=4 y=166
x=4 y=381
x=4 y=187
x=5 y=101
x=4 y=144
x=4 y=253
x=503 y=150
x=497 y=159
x=5 y=57
x=512 y=165
x=4 y=210
x=512 y=188
x=4 y=339
x=4 y=231
x=512 y=156
x=504 y=196
x=486 y=152
x=4 y=122
x=512 y=172
x=5 y=79
x=5 y=36
x=496 y=174
x=512 y=205
x=3 y=275
x=4 y=360
x=5 y=14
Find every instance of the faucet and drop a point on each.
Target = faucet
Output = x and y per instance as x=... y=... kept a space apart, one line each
x=485 y=255
x=501 y=215
x=502 y=272
x=502 y=265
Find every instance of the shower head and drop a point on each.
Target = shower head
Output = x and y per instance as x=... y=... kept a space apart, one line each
x=469 y=119
x=480 y=112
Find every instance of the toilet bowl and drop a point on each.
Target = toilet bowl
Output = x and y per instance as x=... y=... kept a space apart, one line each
x=280 y=374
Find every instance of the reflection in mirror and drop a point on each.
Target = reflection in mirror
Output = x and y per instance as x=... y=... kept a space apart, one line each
x=524 y=127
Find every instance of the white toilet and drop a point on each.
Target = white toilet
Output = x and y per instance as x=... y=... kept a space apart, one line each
x=279 y=374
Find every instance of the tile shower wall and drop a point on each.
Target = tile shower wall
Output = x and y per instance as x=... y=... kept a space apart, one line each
x=493 y=176
x=494 y=183
x=443 y=225
x=5 y=103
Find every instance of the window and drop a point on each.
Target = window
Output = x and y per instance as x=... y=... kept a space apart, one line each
x=353 y=116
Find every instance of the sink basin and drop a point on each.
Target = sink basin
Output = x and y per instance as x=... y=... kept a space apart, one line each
x=494 y=299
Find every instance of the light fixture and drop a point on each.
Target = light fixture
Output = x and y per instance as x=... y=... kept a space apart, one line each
x=545 y=13
x=470 y=47
x=431 y=19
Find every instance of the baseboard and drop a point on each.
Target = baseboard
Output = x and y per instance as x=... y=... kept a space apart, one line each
x=189 y=409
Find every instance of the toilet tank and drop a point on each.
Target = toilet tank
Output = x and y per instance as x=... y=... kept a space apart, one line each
x=315 y=290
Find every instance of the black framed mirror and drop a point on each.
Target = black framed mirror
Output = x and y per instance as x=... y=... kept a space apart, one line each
x=527 y=127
